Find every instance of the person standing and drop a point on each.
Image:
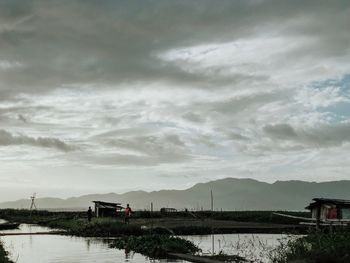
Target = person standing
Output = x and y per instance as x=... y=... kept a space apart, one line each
x=127 y=214
x=89 y=214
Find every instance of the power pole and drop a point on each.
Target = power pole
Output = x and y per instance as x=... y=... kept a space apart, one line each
x=211 y=201
x=32 y=204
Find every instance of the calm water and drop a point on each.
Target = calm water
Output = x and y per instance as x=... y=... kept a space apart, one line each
x=256 y=247
x=64 y=249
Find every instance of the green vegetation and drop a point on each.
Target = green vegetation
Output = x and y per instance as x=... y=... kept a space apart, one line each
x=23 y=215
x=155 y=246
x=240 y=216
x=179 y=223
x=75 y=223
x=254 y=216
x=4 y=255
x=37 y=216
x=101 y=227
x=316 y=247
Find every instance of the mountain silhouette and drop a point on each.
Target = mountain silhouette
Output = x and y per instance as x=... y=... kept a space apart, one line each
x=228 y=193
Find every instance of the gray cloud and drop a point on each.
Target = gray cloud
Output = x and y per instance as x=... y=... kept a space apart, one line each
x=237 y=137
x=196 y=88
x=7 y=139
x=323 y=136
x=165 y=148
x=58 y=42
x=192 y=117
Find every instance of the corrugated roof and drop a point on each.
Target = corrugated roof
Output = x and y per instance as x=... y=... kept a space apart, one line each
x=107 y=203
x=328 y=201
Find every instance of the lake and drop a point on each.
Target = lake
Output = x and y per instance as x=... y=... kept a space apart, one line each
x=66 y=249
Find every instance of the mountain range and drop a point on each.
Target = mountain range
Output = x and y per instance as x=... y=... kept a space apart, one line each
x=228 y=194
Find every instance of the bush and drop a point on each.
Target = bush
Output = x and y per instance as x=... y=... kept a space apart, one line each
x=4 y=255
x=155 y=246
x=317 y=247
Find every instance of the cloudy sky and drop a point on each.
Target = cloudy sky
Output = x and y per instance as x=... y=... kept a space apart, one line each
x=111 y=96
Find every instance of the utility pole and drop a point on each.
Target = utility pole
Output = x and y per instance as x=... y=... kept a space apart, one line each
x=32 y=204
x=212 y=229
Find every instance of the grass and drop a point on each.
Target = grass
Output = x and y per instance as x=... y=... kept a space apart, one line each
x=155 y=246
x=240 y=216
x=37 y=216
x=4 y=255
x=317 y=247
x=99 y=227
x=179 y=223
x=254 y=216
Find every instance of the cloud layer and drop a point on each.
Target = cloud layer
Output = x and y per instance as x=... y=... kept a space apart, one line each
x=172 y=92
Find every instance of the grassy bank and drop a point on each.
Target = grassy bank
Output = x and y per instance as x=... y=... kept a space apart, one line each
x=318 y=247
x=142 y=222
x=38 y=216
x=4 y=255
x=102 y=227
x=239 y=216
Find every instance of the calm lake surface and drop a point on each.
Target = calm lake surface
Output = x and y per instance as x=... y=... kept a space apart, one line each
x=65 y=249
x=256 y=247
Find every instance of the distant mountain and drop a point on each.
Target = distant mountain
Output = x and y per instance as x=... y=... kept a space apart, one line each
x=229 y=194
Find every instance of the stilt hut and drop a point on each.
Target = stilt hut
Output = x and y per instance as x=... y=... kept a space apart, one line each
x=105 y=209
x=330 y=210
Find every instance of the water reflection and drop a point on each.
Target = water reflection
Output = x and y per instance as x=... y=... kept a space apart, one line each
x=256 y=247
x=65 y=249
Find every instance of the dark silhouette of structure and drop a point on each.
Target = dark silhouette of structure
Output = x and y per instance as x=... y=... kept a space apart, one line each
x=89 y=214
x=105 y=209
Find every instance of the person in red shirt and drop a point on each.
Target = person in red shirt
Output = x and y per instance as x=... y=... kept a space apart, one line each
x=127 y=214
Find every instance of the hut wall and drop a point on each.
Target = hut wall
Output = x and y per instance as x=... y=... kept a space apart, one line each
x=345 y=213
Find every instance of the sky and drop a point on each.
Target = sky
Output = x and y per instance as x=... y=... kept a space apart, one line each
x=112 y=96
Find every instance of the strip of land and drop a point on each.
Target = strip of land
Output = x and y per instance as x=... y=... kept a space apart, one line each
x=194 y=223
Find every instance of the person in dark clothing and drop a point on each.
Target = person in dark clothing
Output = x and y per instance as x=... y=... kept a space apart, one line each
x=127 y=214
x=89 y=214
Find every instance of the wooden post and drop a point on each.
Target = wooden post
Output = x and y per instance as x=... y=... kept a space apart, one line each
x=212 y=243
x=318 y=217
x=151 y=217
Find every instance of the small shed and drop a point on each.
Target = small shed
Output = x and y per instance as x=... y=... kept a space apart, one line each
x=104 y=209
x=325 y=209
